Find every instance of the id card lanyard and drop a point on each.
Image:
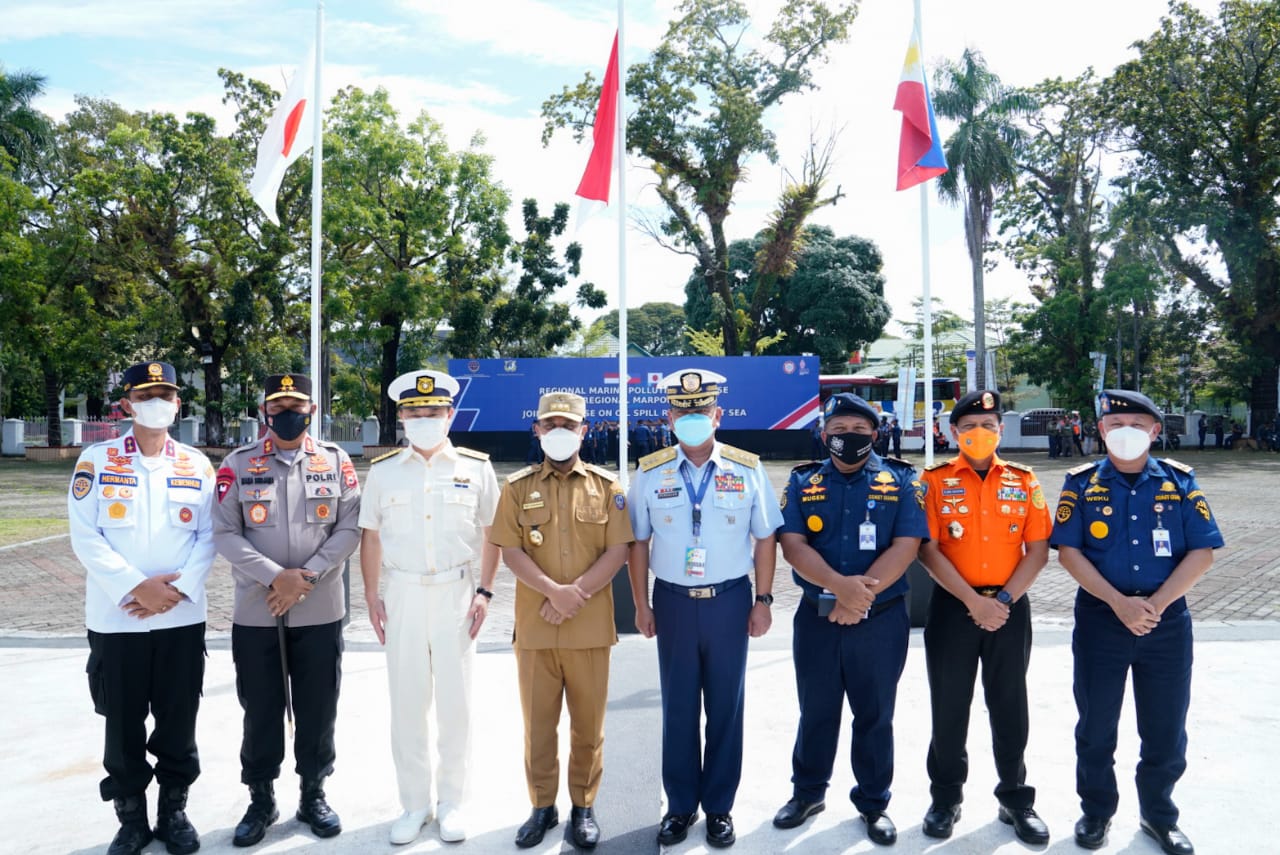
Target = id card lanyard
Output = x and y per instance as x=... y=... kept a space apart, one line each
x=696 y=496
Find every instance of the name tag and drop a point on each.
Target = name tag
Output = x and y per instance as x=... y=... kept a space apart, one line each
x=1163 y=546
x=867 y=537
x=695 y=562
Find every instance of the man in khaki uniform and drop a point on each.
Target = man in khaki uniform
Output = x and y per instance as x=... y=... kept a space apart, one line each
x=286 y=520
x=564 y=532
x=425 y=512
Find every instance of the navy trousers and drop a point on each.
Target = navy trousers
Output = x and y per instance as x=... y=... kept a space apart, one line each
x=861 y=663
x=315 y=676
x=1105 y=653
x=702 y=665
x=131 y=675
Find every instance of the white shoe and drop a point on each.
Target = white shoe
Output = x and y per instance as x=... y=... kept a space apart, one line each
x=453 y=827
x=407 y=828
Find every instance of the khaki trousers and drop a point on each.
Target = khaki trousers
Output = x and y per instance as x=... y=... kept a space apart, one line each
x=429 y=655
x=581 y=678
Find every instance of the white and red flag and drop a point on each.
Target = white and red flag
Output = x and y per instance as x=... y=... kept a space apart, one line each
x=289 y=135
x=594 y=186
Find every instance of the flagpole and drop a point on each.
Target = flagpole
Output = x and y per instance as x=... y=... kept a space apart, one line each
x=621 y=158
x=927 y=427
x=317 y=159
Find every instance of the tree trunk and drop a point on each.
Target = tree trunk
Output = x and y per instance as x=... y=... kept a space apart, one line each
x=973 y=236
x=390 y=357
x=1263 y=394
x=53 y=406
x=213 y=426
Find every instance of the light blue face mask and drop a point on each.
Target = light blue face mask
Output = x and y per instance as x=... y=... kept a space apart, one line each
x=695 y=429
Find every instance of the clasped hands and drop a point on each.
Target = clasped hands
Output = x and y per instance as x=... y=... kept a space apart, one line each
x=854 y=596
x=154 y=595
x=563 y=603
x=289 y=588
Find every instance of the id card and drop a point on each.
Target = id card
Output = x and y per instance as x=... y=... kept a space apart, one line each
x=1160 y=539
x=695 y=562
x=867 y=537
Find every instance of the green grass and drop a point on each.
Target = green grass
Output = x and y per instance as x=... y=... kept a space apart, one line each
x=21 y=529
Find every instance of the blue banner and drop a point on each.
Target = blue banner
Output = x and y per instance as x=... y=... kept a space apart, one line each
x=761 y=392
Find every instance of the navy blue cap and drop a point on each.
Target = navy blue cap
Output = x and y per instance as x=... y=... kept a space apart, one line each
x=849 y=404
x=144 y=375
x=977 y=401
x=1122 y=401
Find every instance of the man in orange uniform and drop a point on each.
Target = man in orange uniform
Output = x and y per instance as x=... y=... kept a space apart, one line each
x=988 y=540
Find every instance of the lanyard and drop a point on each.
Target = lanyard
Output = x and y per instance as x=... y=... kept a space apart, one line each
x=697 y=496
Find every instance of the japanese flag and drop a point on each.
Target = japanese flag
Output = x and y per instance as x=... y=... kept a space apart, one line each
x=289 y=135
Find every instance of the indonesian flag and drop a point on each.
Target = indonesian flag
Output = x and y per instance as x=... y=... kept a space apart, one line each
x=290 y=134
x=594 y=185
x=920 y=154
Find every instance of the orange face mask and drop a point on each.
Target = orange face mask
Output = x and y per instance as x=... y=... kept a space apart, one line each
x=979 y=443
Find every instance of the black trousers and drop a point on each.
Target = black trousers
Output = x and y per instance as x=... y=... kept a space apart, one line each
x=953 y=647
x=315 y=675
x=136 y=674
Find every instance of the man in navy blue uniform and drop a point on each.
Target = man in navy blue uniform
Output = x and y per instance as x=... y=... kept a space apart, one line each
x=704 y=516
x=851 y=526
x=1137 y=534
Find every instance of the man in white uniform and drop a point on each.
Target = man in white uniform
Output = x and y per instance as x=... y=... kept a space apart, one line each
x=141 y=525
x=425 y=519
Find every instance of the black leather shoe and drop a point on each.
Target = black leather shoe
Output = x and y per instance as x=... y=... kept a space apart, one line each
x=794 y=813
x=675 y=827
x=880 y=828
x=1091 y=831
x=315 y=811
x=1027 y=825
x=260 y=815
x=720 y=830
x=535 y=827
x=582 y=824
x=1170 y=838
x=172 y=826
x=941 y=820
x=134 y=833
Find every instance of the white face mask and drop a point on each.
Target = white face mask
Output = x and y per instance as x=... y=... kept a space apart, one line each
x=426 y=433
x=154 y=413
x=1127 y=443
x=561 y=444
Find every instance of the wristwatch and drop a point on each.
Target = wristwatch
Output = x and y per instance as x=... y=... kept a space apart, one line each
x=767 y=599
x=484 y=592
x=1003 y=596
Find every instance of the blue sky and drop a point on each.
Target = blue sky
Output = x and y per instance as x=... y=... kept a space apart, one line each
x=487 y=65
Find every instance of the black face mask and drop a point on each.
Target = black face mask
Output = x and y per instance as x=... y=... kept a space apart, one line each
x=849 y=448
x=289 y=424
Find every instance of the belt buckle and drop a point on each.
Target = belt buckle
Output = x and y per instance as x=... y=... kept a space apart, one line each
x=702 y=593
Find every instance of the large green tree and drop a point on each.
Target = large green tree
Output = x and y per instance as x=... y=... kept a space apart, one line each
x=24 y=130
x=656 y=327
x=981 y=161
x=698 y=107
x=1199 y=108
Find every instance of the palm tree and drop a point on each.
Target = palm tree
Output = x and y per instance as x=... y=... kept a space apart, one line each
x=23 y=129
x=981 y=160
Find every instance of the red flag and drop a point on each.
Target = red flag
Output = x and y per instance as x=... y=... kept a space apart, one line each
x=288 y=136
x=920 y=154
x=595 y=180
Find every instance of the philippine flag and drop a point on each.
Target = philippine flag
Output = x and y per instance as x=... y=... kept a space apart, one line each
x=920 y=154
x=612 y=377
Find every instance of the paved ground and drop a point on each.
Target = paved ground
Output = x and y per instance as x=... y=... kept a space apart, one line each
x=53 y=741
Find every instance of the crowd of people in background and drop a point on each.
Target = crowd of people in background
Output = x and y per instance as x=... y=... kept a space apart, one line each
x=600 y=445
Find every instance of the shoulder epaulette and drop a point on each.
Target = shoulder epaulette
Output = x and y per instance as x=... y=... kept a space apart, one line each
x=1083 y=468
x=1021 y=467
x=521 y=473
x=649 y=461
x=938 y=465
x=240 y=450
x=805 y=467
x=602 y=472
x=1180 y=466
x=898 y=461
x=737 y=455
x=472 y=453
x=385 y=456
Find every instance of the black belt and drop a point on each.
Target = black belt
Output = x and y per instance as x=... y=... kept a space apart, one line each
x=703 y=592
x=876 y=607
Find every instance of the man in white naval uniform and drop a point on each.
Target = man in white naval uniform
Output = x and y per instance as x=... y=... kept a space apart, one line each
x=141 y=525
x=425 y=518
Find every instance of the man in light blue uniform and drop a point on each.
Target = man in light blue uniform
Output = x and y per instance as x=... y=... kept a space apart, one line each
x=704 y=516
x=1137 y=534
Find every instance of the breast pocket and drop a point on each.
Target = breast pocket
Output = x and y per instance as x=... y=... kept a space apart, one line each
x=116 y=512
x=183 y=505
x=394 y=509
x=733 y=508
x=460 y=505
x=259 y=506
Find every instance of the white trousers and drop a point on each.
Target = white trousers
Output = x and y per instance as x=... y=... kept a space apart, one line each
x=429 y=654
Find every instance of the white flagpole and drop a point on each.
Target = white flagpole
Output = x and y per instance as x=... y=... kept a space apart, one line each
x=317 y=159
x=924 y=272
x=620 y=155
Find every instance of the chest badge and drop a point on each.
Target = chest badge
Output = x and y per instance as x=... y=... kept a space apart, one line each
x=955 y=529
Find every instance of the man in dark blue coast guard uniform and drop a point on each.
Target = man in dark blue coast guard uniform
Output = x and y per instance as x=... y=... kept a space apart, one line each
x=851 y=526
x=704 y=516
x=1137 y=534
